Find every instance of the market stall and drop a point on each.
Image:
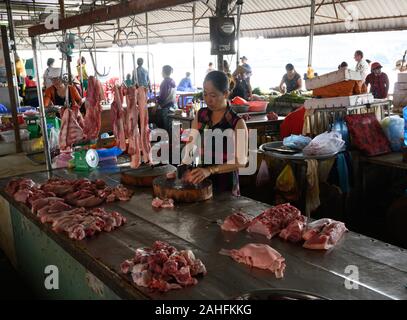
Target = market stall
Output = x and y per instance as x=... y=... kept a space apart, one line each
x=94 y=263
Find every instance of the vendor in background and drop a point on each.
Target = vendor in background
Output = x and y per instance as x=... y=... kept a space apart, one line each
x=362 y=66
x=291 y=80
x=219 y=115
x=167 y=98
x=226 y=70
x=142 y=78
x=378 y=82
x=343 y=65
x=50 y=69
x=186 y=84
x=128 y=82
x=81 y=64
x=242 y=86
x=29 y=82
x=55 y=95
x=210 y=68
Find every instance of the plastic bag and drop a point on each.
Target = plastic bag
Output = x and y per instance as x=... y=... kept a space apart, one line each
x=325 y=144
x=263 y=177
x=296 y=142
x=393 y=128
x=286 y=180
x=54 y=139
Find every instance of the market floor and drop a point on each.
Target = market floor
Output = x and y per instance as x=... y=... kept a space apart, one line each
x=17 y=164
x=12 y=286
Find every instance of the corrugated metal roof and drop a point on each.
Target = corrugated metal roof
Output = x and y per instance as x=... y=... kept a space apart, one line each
x=267 y=18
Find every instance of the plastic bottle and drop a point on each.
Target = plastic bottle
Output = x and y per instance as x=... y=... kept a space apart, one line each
x=405 y=125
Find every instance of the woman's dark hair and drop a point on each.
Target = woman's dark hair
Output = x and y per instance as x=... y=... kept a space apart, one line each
x=359 y=53
x=219 y=80
x=83 y=60
x=50 y=62
x=289 y=67
x=343 y=65
x=167 y=70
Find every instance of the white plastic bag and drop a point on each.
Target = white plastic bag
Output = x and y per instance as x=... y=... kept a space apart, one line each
x=54 y=139
x=325 y=144
x=393 y=128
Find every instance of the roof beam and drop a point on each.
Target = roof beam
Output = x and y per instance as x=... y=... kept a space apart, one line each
x=125 y=9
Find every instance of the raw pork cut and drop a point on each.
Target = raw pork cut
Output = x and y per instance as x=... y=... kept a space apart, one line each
x=236 y=222
x=71 y=131
x=118 y=118
x=314 y=228
x=273 y=220
x=293 y=232
x=93 y=107
x=327 y=238
x=159 y=203
x=260 y=256
x=162 y=267
x=144 y=128
x=132 y=127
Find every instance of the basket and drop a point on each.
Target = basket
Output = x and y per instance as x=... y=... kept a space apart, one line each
x=258 y=106
x=240 y=108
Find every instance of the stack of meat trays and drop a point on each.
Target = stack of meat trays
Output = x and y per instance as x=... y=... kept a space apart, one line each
x=338 y=89
x=339 y=102
x=400 y=93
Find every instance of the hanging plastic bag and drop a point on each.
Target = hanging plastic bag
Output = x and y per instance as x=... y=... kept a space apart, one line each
x=263 y=176
x=54 y=138
x=296 y=142
x=393 y=128
x=286 y=180
x=325 y=144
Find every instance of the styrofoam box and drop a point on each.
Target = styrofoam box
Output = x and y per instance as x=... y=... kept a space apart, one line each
x=9 y=136
x=400 y=86
x=402 y=77
x=331 y=78
x=339 y=102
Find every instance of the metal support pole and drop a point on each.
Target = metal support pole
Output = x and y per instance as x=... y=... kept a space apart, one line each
x=11 y=25
x=239 y=12
x=94 y=51
x=311 y=33
x=43 y=123
x=193 y=42
x=14 y=104
x=148 y=44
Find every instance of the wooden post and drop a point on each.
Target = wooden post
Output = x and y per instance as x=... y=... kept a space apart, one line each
x=11 y=87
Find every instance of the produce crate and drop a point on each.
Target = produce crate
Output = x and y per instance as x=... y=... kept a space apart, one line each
x=331 y=78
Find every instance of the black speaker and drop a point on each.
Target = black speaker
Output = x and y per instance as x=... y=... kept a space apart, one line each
x=222 y=35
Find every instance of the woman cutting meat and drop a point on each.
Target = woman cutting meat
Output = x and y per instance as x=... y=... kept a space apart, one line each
x=213 y=123
x=55 y=95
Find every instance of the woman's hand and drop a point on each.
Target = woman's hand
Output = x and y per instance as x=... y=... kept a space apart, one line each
x=198 y=175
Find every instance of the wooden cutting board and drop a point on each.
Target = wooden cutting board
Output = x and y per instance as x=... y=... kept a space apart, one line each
x=144 y=175
x=180 y=192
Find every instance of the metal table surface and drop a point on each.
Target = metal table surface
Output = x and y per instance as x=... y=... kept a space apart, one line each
x=382 y=268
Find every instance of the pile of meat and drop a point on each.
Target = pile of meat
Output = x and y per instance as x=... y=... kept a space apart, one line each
x=163 y=267
x=62 y=203
x=287 y=222
x=132 y=123
x=159 y=203
x=260 y=256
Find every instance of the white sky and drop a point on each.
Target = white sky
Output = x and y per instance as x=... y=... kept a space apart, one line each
x=267 y=57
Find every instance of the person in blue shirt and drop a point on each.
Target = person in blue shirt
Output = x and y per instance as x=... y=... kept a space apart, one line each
x=142 y=79
x=186 y=84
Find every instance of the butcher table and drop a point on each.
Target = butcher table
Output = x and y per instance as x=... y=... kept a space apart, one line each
x=357 y=268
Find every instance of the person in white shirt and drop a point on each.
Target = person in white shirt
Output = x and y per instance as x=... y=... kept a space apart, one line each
x=50 y=69
x=362 y=66
x=210 y=68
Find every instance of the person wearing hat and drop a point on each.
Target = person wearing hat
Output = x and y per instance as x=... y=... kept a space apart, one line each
x=246 y=66
x=291 y=80
x=378 y=81
x=57 y=93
